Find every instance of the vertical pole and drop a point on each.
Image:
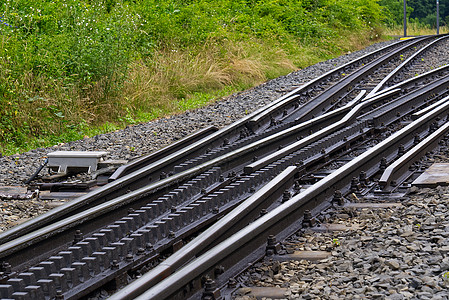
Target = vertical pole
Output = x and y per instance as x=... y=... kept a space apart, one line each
x=438 y=17
x=405 y=18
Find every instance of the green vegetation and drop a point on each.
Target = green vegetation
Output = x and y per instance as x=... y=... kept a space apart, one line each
x=74 y=68
x=421 y=15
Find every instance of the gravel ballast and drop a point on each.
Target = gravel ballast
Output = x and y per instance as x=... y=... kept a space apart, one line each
x=141 y=139
x=395 y=253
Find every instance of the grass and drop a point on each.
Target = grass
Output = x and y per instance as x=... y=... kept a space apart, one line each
x=414 y=29
x=70 y=69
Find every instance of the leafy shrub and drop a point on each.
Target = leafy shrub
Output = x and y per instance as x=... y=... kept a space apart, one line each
x=69 y=62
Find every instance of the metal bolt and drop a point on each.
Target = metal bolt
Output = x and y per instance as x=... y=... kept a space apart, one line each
x=263 y=211
x=401 y=150
x=308 y=220
x=383 y=164
x=78 y=236
x=173 y=209
x=255 y=158
x=323 y=151
x=59 y=295
x=129 y=257
x=417 y=139
x=338 y=198
x=272 y=246
x=218 y=270
x=163 y=175
x=272 y=122
x=252 y=190
x=114 y=265
x=221 y=179
x=6 y=268
x=232 y=283
x=362 y=178
x=171 y=234
x=286 y=196
x=280 y=147
x=225 y=142
x=203 y=191
x=149 y=246
x=215 y=210
x=297 y=186
x=140 y=251
x=210 y=292
x=354 y=185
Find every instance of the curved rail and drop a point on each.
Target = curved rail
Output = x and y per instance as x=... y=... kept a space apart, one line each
x=256 y=232
x=139 y=177
x=398 y=168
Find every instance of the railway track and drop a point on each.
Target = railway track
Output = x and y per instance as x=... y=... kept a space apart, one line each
x=205 y=206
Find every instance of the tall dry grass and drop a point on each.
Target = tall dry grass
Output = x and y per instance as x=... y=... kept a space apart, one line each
x=173 y=75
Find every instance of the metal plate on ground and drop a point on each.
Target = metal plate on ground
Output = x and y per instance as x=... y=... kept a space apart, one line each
x=263 y=292
x=329 y=227
x=435 y=175
x=306 y=255
x=372 y=205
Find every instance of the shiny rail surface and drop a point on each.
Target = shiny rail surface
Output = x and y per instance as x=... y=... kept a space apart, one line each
x=136 y=220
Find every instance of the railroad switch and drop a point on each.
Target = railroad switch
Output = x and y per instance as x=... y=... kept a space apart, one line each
x=66 y=161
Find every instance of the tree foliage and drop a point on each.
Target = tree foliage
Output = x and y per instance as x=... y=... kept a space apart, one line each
x=422 y=11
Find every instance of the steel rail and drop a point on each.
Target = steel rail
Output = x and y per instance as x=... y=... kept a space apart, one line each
x=348 y=118
x=402 y=66
x=161 y=153
x=317 y=104
x=388 y=112
x=279 y=106
x=276 y=220
x=24 y=241
x=214 y=233
x=415 y=81
x=396 y=170
x=139 y=177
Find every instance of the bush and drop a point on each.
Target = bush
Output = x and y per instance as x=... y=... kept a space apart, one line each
x=69 y=62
